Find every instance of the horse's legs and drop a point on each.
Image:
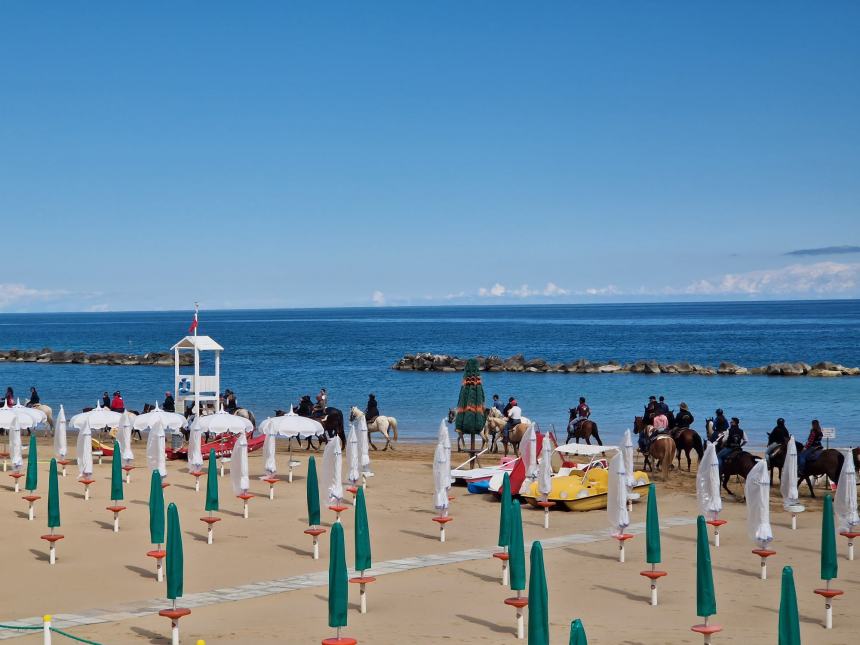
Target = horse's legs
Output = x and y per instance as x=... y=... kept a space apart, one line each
x=596 y=436
x=587 y=440
x=725 y=479
x=808 y=483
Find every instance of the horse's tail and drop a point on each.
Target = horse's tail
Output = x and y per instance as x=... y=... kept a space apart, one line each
x=840 y=461
x=393 y=423
x=697 y=445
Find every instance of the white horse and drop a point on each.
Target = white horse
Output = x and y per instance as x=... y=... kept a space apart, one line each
x=49 y=413
x=379 y=424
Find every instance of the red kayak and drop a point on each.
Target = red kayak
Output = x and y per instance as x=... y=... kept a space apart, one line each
x=222 y=443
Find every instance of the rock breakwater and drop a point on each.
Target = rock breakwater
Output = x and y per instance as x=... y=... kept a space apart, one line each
x=48 y=355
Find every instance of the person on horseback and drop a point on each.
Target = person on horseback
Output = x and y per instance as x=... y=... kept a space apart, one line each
x=321 y=404
x=684 y=419
x=721 y=425
x=650 y=410
x=34 y=398
x=372 y=409
x=776 y=438
x=497 y=403
x=169 y=404
x=812 y=446
x=305 y=407
x=515 y=415
x=734 y=441
x=582 y=413
x=662 y=406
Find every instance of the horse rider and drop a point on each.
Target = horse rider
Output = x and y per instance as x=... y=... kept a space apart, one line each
x=734 y=441
x=372 y=409
x=511 y=403
x=813 y=445
x=169 y=404
x=684 y=418
x=662 y=406
x=721 y=425
x=582 y=413
x=515 y=415
x=305 y=407
x=106 y=400
x=322 y=403
x=230 y=405
x=34 y=398
x=497 y=403
x=117 y=404
x=776 y=438
x=650 y=410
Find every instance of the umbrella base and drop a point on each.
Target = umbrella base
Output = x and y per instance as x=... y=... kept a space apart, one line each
x=174 y=615
x=87 y=482
x=716 y=523
x=622 y=538
x=707 y=631
x=158 y=555
x=271 y=481
x=653 y=575
x=504 y=557
x=197 y=474
x=851 y=535
x=442 y=520
x=116 y=510
x=519 y=603
x=17 y=477
x=210 y=521
x=62 y=463
x=52 y=539
x=362 y=581
x=128 y=470
x=342 y=640
x=315 y=534
x=338 y=509
x=764 y=554
x=31 y=500
x=245 y=497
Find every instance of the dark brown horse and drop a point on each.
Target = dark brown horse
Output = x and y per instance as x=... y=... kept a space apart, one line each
x=740 y=463
x=777 y=458
x=586 y=429
x=332 y=423
x=687 y=439
x=829 y=462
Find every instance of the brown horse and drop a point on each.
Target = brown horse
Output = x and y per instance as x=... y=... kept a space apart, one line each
x=515 y=436
x=585 y=430
x=740 y=463
x=777 y=458
x=687 y=439
x=662 y=452
x=829 y=462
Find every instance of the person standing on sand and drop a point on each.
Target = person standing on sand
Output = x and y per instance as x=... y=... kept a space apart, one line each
x=372 y=409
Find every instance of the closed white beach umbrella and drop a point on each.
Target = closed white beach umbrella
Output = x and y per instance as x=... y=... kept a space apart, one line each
x=15 y=451
x=445 y=437
x=845 y=503
x=441 y=475
x=195 y=438
x=757 y=492
x=84 y=451
x=155 y=450
x=96 y=418
x=168 y=420
x=225 y=422
x=270 y=463
x=616 y=496
x=528 y=453
x=627 y=449
x=708 y=484
x=788 y=478
x=353 y=466
x=239 y=465
x=545 y=469
x=363 y=446
x=124 y=437
x=60 y=443
x=331 y=473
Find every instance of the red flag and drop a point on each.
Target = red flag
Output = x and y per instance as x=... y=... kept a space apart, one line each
x=193 y=327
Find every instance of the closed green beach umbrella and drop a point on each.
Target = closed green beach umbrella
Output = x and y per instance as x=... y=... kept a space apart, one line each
x=116 y=474
x=829 y=564
x=174 y=561
x=211 y=483
x=789 y=619
x=652 y=528
x=470 y=406
x=53 y=496
x=577 y=633
x=362 y=533
x=337 y=579
x=505 y=513
x=156 y=509
x=706 y=600
x=32 y=466
x=538 y=599
x=516 y=550
x=313 y=494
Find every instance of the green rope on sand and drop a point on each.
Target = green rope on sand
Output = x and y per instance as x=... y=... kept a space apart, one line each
x=21 y=627
x=74 y=638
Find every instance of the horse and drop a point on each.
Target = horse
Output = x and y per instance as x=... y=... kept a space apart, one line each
x=380 y=424
x=687 y=439
x=777 y=458
x=585 y=430
x=829 y=462
x=662 y=452
x=49 y=413
x=516 y=435
x=332 y=423
x=740 y=463
x=485 y=436
x=494 y=427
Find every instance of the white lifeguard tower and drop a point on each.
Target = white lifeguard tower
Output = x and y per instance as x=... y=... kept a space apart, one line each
x=196 y=387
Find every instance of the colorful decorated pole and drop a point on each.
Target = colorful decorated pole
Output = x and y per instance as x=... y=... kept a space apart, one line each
x=517 y=555
x=757 y=492
x=156 y=523
x=708 y=491
x=313 y=500
x=706 y=600
x=32 y=478
x=362 y=549
x=471 y=416
x=116 y=485
x=652 y=543
x=175 y=573
x=845 y=503
x=211 y=496
x=538 y=599
x=504 y=527
x=789 y=618
x=337 y=587
x=577 y=633
x=829 y=562
x=616 y=502
x=53 y=512
x=788 y=484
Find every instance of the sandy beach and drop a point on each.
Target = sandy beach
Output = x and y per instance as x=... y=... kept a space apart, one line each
x=101 y=575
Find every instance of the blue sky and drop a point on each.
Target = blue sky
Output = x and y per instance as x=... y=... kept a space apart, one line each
x=340 y=153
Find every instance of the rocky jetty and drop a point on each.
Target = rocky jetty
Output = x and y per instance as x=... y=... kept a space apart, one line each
x=48 y=355
x=428 y=362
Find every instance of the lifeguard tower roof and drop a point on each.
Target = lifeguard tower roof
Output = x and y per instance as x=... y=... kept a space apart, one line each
x=201 y=343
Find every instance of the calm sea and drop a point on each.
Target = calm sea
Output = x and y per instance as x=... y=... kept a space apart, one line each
x=273 y=356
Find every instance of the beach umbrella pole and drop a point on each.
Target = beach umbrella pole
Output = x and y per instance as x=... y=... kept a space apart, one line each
x=851 y=535
x=828 y=594
x=763 y=553
x=716 y=523
x=519 y=603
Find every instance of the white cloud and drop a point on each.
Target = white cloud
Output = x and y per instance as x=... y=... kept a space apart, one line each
x=608 y=290
x=498 y=290
x=821 y=279
x=377 y=298
x=19 y=294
